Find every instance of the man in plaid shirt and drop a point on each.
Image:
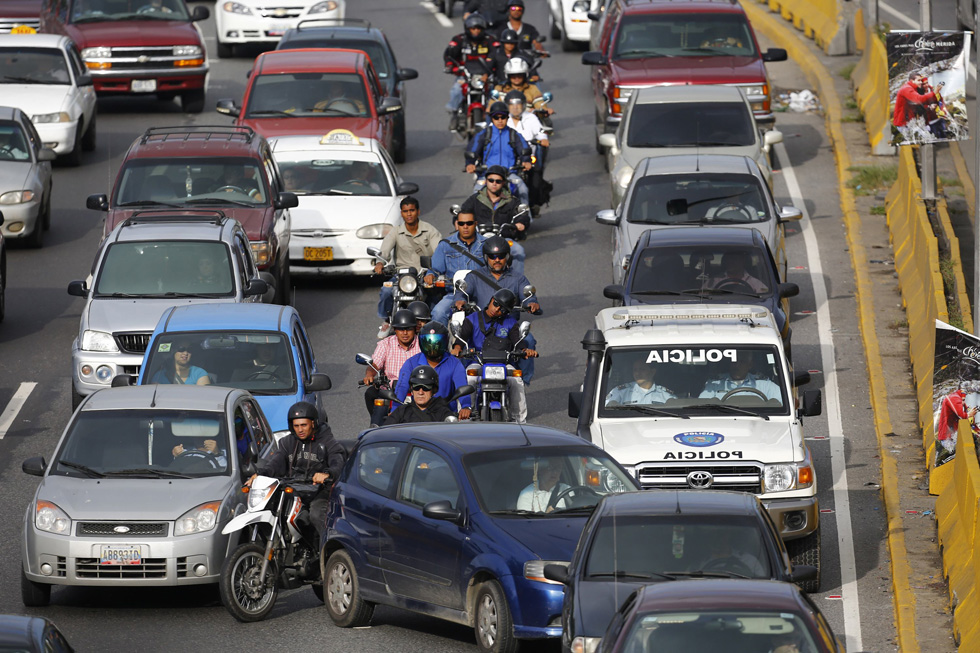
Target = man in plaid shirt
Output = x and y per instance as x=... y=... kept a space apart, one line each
x=389 y=356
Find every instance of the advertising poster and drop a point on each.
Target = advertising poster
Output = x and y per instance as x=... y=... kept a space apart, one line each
x=927 y=86
x=955 y=387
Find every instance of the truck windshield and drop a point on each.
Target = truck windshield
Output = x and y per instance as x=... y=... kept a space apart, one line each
x=97 y=11
x=307 y=94
x=684 y=35
x=162 y=268
x=177 y=182
x=696 y=199
x=689 y=124
x=693 y=379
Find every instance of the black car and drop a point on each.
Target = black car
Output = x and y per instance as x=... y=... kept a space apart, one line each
x=30 y=634
x=638 y=538
x=357 y=34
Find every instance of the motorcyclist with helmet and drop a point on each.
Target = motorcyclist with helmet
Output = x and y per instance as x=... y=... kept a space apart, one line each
x=425 y=405
x=499 y=145
x=493 y=11
x=473 y=50
x=494 y=205
x=462 y=250
x=495 y=329
x=422 y=314
x=529 y=126
x=527 y=33
x=434 y=343
x=517 y=70
x=509 y=48
x=389 y=356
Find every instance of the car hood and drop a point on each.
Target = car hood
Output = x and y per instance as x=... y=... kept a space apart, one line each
x=132 y=498
x=13 y=175
x=273 y=127
x=34 y=99
x=140 y=33
x=253 y=220
x=548 y=538
x=333 y=213
x=596 y=603
x=121 y=315
x=651 y=439
x=652 y=71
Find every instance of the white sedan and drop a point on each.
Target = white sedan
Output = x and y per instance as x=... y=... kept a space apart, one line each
x=258 y=21
x=349 y=195
x=569 y=21
x=43 y=75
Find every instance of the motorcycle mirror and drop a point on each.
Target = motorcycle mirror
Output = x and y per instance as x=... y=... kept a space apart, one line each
x=454 y=209
x=462 y=391
x=454 y=329
x=523 y=329
x=522 y=208
x=374 y=251
x=546 y=96
x=495 y=94
x=388 y=394
x=362 y=359
x=529 y=291
x=462 y=286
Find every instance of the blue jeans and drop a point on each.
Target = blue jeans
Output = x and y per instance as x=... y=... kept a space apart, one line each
x=455 y=95
x=386 y=300
x=520 y=188
x=526 y=365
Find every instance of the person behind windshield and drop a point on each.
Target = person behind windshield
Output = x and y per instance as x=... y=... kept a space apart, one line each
x=299 y=178
x=425 y=406
x=734 y=273
x=336 y=99
x=642 y=390
x=238 y=178
x=12 y=146
x=740 y=376
x=179 y=369
x=361 y=174
x=207 y=272
x=536 y=497
x=155 y=6
x=731 y=551
x=265 y=364
x=207 y=446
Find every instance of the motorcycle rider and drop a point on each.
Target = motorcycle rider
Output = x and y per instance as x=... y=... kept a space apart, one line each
x=389 y=356
x=434 y=343
x=493 y=11
x=499 y=145
x=495 y=329
x=422 y=314
x=527 y=125
x=425 y=405
x=495 y=205
x=472 y=50
x=528 y=34
x=517 y=71
x=463 y=250
x=509 y=48
x=309 y=454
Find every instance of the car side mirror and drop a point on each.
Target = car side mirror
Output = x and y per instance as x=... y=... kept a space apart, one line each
x=774 y=54
x=286 y=200
x=801 y=378
x=614 y=291
x=607 y=216
x=123 y=381
x=256 y=287
x=462 y=391
x=200 y=13
x=85 y=80
x=227 y=108
x=319 y=383
x=790 y=214
x=594 y=59
x=442 y=510
x=607 y=141
x=557 y=573
x=575 y=403
x=390 y=105
x=34 y=466
x=593 y=15
x=46 y=154
x=77 y=289
x=405 y=74
x=798 y=574
x=97 y=202
x=771 y=137
x=788 y=290
x=406 y=188
x=812 y=403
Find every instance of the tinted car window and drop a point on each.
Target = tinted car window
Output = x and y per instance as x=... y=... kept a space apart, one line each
x=428 y=477
x=33 y=66
x=719 y=199
x=376 y=465
x=716 y=270
x=680 y=34
x=372 y=48
x=709 y=630
x=686 y=124
x=166 y=269
x=307 y=94
x=99 y=11
x=336 y=177
x=183 y=182
x=13 y=142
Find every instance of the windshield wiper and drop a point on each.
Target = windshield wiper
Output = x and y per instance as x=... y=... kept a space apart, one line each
x=729 y=291
x=708 y=50
x=123 y=295
x=147 y=203
x=565 y=511
x=100 y=18
x=648 y=575
x=729 y=409
x=147 y=471
x=188 y=294
x=217 y=200
x=82 y=468
x=699 y=573
x=28 y=80
x=649 y=410
x=272 y=112
x=645 y=53
x=514 y=512
x=334 y=112
x=334 y=191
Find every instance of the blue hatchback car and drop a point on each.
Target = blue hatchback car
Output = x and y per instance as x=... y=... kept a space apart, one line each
x=262 y=348
x=457 y=521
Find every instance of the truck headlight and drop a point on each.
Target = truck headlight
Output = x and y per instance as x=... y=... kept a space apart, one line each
x=98 y=341
x=373 y=231
x=322 y=7
x=187 y=51
x=236 y=8
x=102 y=52
x=198 y=520
x=50 y=518
x=17 y=197
x=42 y=118
x=779 y=478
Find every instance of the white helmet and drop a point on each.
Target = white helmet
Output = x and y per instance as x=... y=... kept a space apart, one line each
x=516 y=66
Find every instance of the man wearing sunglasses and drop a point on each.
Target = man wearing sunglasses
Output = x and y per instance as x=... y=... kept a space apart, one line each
x=434 y=343
x=495 y=205
x=463 y=250
x=499 y=145
x=425 y=405
x=527 y=34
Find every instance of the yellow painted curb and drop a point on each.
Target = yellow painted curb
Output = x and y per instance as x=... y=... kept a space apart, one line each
x=904 y=599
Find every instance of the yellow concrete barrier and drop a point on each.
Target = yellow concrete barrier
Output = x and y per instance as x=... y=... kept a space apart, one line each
x=820 y=20
x=962 y=297
x=870 y=80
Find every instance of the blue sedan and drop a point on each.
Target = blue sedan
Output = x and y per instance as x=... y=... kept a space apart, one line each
x=457 y=521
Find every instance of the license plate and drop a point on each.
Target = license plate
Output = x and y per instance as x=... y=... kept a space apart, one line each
x=318 y=253
x=113 y=554
x=144 y=85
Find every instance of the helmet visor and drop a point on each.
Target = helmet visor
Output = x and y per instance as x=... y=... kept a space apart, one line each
x=433 y=345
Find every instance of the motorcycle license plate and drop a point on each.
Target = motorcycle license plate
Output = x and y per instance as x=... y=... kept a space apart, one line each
x=318 y=253
x=121 y=554
x=144 y=85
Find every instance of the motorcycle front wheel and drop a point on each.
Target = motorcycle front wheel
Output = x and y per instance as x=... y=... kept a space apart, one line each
x=476 y=116
x=242 y=591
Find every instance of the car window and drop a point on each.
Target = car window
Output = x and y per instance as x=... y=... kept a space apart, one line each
x=374 y=84
x=186 y=182
x=245 y=263
x=683 y=34
x=376 y=465
x=41 y=66
x=304 y=362
x=428 y=478
x=714 y=630
x=307 y=94
x=101 y=11
x=14 y=142
x=304 y=346
x=373 y=49
x=260 y=430
x=695 y=199
x=32 y=136
x=689 y=124
x=336 y=177
x=692 y=270
x=75 y=62
x=166 y=269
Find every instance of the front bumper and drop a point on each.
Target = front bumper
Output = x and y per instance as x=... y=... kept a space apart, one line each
x=537 y=612
x=59 y=136
x=117 y=362
x=20 y=220
x=349 y=255
x=783 y=510
x=167 y=80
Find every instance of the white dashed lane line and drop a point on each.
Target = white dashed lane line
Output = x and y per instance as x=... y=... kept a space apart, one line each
x=13 y=407
x=440 y=17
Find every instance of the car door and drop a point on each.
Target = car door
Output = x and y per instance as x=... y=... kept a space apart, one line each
x=82 y=94
x=419 y=555
x=282 y=217
x=386 y=124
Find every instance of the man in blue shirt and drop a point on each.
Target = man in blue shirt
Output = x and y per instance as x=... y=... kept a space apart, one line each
x=499 y=145
x=434 y=343
x=463 y=250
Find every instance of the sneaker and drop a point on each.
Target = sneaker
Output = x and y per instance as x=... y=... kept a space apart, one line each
x=383 y=331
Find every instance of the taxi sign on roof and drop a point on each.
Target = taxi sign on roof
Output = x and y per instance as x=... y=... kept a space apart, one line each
x=340 y=137
x=23 y=29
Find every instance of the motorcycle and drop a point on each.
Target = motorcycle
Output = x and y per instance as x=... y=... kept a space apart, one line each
x=491 y=403
x=381 y=381
x=276 y=556
x=470 y=116
x=456 y=320
x=408 y=286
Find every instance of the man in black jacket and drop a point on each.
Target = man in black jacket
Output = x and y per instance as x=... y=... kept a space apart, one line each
x=424 y=407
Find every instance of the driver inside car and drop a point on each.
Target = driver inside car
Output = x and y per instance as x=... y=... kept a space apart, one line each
x=740 y=379
x=205 y=445
x=731 y=551
x=336 y=99
x=734 y=274
x=539 y=495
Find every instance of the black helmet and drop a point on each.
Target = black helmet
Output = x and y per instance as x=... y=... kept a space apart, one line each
x=424 y=375
x=403 y=319
x=516 y=3
x=496 y=245
x=301 y=410
x=497 y=107
x=509 y=35
x=505 y=299
x=475 y=20
x=434 y=340
x=515 y=96
x=420 y=310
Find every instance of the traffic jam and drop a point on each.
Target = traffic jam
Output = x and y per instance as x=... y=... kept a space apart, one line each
x=685 y=429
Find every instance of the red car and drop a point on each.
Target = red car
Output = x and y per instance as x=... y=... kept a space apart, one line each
x=135 y=47
x=20 y=16
x=314 y=91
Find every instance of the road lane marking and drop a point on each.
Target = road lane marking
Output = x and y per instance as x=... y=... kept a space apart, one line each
x=440 y=17
x=835 y=428
x=14 y=405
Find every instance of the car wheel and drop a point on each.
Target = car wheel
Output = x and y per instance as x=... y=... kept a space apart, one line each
x=400 y=138
x=3 y=288
x=74 y=158
x=553 y=30
x=192 y=101
x=284 y=293
x=88 y=140
x=36 y=239
x=46 y=219
x=75 y=398
x=492 y=622
x=241 y=591
x=34 y=595
x=806 y=551
x=343 y=593
x=567 y=45
x=225 y=50
x=496 y=415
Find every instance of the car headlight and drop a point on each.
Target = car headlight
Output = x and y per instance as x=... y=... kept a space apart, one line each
x=407 y=284
x=41 y=118
x=187 y=51
x=261 y=252
x=322 y=7
x=373 y=231
x=585 y=644
x=580 y=6
x=236 y=8
x=50 y=518
x=102 y=52
x=779 y=478
x=624 y=176
x=198 y=520
x=534 y=570
x=98 y=341
x=17 y=197
x=258 y=497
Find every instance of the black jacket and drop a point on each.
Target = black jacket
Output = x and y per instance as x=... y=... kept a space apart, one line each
x=299 y=460
x=484 y=212
x=437 y=411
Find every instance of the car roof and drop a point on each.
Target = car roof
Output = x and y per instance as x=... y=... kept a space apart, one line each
x=475 y=438
x=680 y=502
x=8 y=113
x=691 y=164
x=669 y=324
x=681 y=6
x=197 y=141
x=32 y=40
x=327 y=144
x=311 y=32
x=227 y=316
x=683 y=236
x=688 y=93
x=210 y=398
x=300 y=60
x=174 y=225
x=718 y=594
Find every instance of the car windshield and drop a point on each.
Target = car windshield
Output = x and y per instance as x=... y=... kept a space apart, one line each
x=677 y=34
x=698 y=199
x=20 y=65
x=335 y=177
x=684 y=380
x=688 y=124
x=701 y=271
x=682 y=546
x=307 y=94
x=258 y=361
x=373 y=49
x=710 y=630
x=13 y=142
x=543 y=481
x=180 y=182
x=144 y=444
x=166 y=268
x=96 y=11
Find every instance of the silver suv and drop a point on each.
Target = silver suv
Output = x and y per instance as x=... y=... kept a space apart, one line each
x=150 y=262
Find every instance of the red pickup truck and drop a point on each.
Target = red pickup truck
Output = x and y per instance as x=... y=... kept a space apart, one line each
x=19 y=16
x=136 y=46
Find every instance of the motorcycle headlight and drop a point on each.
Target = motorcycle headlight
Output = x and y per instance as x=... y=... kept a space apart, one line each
x=261 y=252
x=198 y=520
x=102 y=52
x=373 y=231
x=534 y=569
x=42 y=118
x=477 y=84
x=17 y=197
x=779 y=478
x=495 y=373
x=187 y=51
x=581 y=6
x=236 y=8
x=407 y=284
x=50 y=518
x=258 y=496
x=322 y=7
x=98 y=341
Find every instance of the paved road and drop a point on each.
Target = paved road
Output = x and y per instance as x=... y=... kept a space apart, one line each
x=566 y=260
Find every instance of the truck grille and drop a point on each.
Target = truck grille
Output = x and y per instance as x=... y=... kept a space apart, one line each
x=107 y=529
x=7 y=24
x=143 y=58
x=151 y=568
x=132 y=343
x=738 y=478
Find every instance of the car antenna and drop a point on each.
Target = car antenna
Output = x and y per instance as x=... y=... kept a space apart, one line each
x=526 y=439
x=153 y=400
x=677 y=498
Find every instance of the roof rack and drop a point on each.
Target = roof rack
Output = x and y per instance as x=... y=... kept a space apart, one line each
x=152 y=216
x=210 y=132
x=340 y=22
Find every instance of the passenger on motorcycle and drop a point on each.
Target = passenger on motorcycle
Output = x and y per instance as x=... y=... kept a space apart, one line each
x=463 y=250
x=495 y=329
x=499 y=145
x=473 y=50
x=389 y=356
x=517 y=71
x=425 y=405
x=434 y=343
x=509 y=42
x=309 y=454
x=412 y=240
x=495 y=205
x=493 y=11
x=422 y=314
x=528 y=34
x=528 y=126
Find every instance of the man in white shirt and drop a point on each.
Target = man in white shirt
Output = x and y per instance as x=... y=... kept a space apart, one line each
x=740 y=376
x=642 y=390
x=734 y=274
x=529 y=126
x=537 y=496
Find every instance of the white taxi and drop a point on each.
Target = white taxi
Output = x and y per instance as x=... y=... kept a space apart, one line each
x=43 y=75
x=349 y=194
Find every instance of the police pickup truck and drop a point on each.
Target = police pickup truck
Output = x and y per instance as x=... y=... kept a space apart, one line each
x=700 y=396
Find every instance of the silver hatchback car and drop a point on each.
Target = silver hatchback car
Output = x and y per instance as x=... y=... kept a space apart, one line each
x=139 y=488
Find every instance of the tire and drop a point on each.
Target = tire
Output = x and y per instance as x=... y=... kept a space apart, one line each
x=88 y=139
x=240 y=593
x=492 y=622
x=225 y=50
x=343 y=593
x=806 y=551
x=567 y=45
x=284 y=293
x=475 y=117
x=318 y=590
x=36 y=239
x=399 y=154
x=46 y=213
x=74 y=158
x=553 y=31
x=496 y=415
x=75 y=399
x=192 y=101
x=34 y=595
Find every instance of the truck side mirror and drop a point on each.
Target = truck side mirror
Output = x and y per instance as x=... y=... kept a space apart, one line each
x=812 y=403
x=97 y=202
x=575 y=403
